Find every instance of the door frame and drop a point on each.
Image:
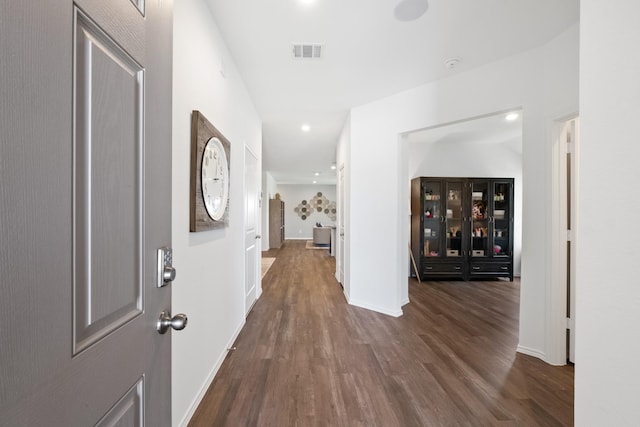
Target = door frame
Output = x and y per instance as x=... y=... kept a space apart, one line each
x=258 y=224
x=340 y=230
x=558 y=321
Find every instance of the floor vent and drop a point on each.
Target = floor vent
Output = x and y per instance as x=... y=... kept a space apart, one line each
x=307 y=51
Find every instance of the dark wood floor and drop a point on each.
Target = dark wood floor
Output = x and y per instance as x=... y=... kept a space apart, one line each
x=306 y=358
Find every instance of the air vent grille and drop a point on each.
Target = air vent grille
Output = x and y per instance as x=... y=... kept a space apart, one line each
x=307 y=51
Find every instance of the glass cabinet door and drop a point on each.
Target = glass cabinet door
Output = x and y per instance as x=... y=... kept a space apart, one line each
x=453 y=219
x=432 y=218
x=501 y=219
x=479 y=219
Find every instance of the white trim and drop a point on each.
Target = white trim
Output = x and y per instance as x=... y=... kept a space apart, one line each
x=207 y=383
x=394 y=313
x=341 y=240
x=555 y=330
x=531 y=352
x=403 y=223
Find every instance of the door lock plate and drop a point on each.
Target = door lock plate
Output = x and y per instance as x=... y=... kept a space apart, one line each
x=166 y=273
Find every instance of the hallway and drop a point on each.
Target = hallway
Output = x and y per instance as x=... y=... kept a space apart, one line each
x=307 y=358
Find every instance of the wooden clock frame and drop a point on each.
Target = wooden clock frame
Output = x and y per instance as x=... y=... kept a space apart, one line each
x=201 y=132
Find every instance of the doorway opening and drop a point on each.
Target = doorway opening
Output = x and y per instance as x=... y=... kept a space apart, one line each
x=489 y=146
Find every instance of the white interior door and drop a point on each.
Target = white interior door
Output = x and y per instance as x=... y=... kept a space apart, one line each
x=85 y=168
x=340 y=277
x=252 y=215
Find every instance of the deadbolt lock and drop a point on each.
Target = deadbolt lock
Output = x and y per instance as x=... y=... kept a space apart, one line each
x=166 y=273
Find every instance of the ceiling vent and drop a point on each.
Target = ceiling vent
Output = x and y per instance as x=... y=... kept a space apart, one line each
x=307 y=51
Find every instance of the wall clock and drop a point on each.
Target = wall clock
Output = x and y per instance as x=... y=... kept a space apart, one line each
x=210 y=172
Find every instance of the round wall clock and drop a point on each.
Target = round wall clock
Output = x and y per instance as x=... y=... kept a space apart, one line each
x=215 y=179
x=210 y=173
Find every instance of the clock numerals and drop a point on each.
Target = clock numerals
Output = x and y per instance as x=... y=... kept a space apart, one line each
x=214 y=177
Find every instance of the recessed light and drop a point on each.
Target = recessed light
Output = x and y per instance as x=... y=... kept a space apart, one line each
x=315 y=182
x=305 y=128
x=307 y=1
x=333 y=167
x=317 y=173
x=511 y=117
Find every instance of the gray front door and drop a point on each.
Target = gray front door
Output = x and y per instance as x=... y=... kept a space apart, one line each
x=85 y=179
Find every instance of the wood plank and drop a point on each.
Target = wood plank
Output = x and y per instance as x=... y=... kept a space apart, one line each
x=305 y=357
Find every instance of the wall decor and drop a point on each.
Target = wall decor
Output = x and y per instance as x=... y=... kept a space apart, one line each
x=303 y=210
x=317 y=204
x=210 y=172
x=331 y=211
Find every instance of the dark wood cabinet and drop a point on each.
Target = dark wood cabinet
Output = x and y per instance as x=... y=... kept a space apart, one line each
x=276 y=223
x=462 y=228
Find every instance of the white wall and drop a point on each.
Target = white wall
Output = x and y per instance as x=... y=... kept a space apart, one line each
x=292 y=194
x=209 y=286
x=470 y=159
x=607 y=381
x=544 y=82
x=269 y=190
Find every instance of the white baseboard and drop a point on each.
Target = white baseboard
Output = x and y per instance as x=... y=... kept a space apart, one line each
x=394 y=313
x=404 y=302
x=531 y=352
x=198 y=399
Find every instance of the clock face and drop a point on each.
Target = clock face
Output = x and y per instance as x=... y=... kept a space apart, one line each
x=215 y=179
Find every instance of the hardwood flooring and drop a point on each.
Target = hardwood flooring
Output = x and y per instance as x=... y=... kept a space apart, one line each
x=307 y=358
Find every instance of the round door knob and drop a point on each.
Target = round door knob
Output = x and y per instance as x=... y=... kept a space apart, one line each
x=177 y=322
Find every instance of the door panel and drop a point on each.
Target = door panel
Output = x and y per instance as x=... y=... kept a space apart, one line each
x=108 y=181
x=85 y=202
x=128 y=411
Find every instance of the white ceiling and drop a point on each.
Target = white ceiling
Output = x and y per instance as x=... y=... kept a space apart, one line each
x=492 y=129
x=368 y=54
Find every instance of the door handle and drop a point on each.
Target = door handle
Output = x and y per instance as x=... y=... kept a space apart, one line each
x=258 y=236
x=177 y=322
